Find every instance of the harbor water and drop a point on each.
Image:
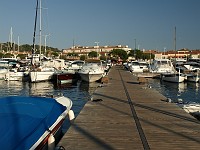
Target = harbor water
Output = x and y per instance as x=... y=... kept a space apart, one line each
x=79 y=92
x=185 y=91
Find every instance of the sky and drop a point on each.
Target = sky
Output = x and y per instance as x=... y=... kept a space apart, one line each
x=144 y=24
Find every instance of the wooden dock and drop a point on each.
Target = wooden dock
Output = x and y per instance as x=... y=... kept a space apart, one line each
x=128 y=115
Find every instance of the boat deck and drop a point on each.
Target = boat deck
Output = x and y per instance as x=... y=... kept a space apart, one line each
x=127 y=115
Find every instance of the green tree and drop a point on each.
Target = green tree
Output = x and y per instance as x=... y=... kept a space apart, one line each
x=1 y=55
x=72 y=54
x=119 y=53
x=83 y=57
x=102 y=57
x=22 y=56
x=92 y=54
x=8 y=55
x=55 y=54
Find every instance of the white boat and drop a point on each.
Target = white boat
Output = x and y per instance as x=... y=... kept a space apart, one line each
x=191 y=107
x=14 y=75
x=192 y=77
x=65 y=76
x=74 y=66
x=172 y=77
x=91 y=72
x=4 y=65
x=42 y=74
x=135 y=67
x=161 y=66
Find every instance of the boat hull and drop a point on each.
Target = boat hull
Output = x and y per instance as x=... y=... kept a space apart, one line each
x=39 y=76
x=17 y=76
x=171 y=77
x=87 y=77
x=192 y=78
x=62 y=78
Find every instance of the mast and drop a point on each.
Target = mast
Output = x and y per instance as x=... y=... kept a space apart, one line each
x=175 y=42
x=40 y=32
x=34 y=32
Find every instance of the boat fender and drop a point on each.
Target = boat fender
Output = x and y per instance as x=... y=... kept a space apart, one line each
x=71 y=115
x=51 y=142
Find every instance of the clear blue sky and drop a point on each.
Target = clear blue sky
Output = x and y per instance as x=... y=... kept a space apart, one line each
x=110 y=22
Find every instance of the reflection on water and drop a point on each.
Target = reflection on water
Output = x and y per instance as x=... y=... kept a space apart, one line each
x=78 y=92
x=187 y=91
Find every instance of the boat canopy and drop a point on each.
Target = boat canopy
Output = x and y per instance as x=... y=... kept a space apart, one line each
x=25 y=119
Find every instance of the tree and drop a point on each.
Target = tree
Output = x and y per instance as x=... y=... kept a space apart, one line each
x=102 y=57
x=22 y=56
x=8 y=55
x=72 y=54
x=119 y=53
x=1 y=55
x=54 y=54
x=92 y=54
x=83 y=57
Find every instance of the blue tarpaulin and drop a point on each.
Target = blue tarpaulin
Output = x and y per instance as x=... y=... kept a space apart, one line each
x=24 y=119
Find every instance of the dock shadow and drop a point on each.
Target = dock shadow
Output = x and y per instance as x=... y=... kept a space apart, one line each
x=133 y=82
x=93 y=138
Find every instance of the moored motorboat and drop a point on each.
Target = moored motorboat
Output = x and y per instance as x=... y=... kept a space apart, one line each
x=172 y=77
x=42 y=74
x=192 y=77
x=91 y=72
x=191 y=107
x=31 y=122
x=65 y=76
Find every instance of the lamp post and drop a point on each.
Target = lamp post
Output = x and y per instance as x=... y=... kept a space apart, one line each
x=97 y=47
x=45 y=44
x=135 y=48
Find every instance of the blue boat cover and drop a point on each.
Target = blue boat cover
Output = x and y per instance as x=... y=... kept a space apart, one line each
x=24 y=119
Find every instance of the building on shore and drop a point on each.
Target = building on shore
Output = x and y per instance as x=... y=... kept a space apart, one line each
x=101 y=50
x=171 y=54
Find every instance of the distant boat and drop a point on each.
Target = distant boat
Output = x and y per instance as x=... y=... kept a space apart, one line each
x=173 y=76
x=32 y=122
x=65 y=76
x=42 y=74
x=161 y=66
x=91 y=72
x=39 y=72
x=15 y=75
x=191 y=107
x=135 y=67
x=4 y=65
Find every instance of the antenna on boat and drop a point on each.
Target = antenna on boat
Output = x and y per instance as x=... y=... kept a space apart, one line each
x=33 y=46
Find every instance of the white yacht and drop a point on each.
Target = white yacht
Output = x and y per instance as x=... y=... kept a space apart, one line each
x=172 y=77
x=135 y=67
x=161 y=66
x=42 y=73
x=91 y=72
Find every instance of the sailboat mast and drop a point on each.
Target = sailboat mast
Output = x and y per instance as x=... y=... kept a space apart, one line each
x=34 y=32
x=175 y=42
x=40 y=32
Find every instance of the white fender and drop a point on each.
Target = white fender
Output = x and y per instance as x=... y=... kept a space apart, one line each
x=51 y=142
x=71 y=115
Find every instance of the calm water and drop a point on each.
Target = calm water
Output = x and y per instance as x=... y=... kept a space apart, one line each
x=187 y=91
x=79 y=92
